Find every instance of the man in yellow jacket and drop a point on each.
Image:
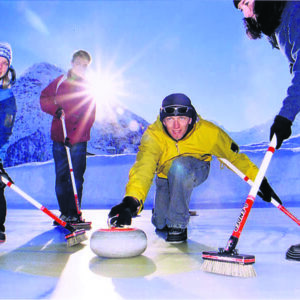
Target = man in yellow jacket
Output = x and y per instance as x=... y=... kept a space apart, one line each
x=178 y=148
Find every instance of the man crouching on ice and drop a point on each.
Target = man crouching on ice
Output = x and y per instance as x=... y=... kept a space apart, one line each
x=178 y=148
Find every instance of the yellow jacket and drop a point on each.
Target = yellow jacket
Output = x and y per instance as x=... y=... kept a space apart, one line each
x=158 y=150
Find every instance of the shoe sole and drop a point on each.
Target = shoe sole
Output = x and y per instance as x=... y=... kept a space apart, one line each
x=175 y=242
x=83 y=225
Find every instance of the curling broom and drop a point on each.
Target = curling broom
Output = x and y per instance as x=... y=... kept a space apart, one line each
x=73 y=238
x=228 y=261
x=250 y=182
x=83 y=223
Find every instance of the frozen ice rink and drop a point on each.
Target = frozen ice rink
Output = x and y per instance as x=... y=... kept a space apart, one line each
x=36 y=264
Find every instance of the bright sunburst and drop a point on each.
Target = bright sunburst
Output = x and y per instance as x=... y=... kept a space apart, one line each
x=107 y=88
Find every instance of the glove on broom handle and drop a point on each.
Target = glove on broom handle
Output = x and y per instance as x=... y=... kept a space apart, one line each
x=233 y=240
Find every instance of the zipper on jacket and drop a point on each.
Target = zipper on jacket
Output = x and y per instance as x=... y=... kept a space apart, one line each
x=176 y=144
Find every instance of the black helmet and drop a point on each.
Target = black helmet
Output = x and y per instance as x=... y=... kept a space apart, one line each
x=177 y=105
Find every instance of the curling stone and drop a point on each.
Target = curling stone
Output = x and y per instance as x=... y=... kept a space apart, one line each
x=118 y=242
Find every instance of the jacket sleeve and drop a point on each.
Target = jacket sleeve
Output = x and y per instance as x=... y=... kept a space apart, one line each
x=228 y=149
x=142 y=172
x=47 y=98
x=291 y=104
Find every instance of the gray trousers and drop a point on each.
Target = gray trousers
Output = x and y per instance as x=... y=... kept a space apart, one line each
x=173 y=195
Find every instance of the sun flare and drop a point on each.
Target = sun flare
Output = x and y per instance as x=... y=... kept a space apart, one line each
x=107 y=88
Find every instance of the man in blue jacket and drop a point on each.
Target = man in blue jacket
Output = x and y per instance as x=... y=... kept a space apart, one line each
x=279 y=21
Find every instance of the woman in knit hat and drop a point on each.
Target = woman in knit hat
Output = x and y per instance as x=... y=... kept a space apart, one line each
x=7 y=117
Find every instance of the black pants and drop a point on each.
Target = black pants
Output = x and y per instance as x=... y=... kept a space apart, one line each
x=63 y=184
x=2 y=209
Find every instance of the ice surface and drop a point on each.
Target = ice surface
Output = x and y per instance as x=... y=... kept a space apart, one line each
x=35 y=263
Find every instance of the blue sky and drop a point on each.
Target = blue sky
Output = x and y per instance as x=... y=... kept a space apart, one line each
x=149 y=49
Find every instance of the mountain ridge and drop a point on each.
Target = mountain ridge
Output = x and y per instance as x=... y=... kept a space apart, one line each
x=119 y=132
x=30 y=141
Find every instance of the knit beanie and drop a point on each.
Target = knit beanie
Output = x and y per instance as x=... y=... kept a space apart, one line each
x=6 y=52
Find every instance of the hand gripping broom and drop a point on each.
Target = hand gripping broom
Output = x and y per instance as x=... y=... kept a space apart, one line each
x=228 y=261
x=73 y=238
x=83 y=223
x=250 y=182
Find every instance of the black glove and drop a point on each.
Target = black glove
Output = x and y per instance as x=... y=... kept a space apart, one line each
x=59 y=113
x=67 y=143
x=266 y=192
x=282 y=128
x=122 y=213
x=5 y=175
x=2 y=184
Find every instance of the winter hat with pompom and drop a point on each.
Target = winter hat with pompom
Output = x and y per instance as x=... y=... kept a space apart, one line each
x=6 y=52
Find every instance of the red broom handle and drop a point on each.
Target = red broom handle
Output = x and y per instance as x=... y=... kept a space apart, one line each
x=32 y=201
x=232 y=242
x=250 y=182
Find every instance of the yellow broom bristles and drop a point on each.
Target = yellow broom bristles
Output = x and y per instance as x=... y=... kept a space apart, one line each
x=229 y=269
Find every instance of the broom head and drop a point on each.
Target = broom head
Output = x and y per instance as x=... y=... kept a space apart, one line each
x=76 y=237
x=231 y=264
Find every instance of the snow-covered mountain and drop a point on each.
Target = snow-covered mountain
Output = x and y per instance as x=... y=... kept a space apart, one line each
x=260 y=133
x=118 y=133
x=31 y=136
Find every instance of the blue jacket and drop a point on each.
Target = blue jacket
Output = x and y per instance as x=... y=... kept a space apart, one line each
x=8 y=110
x=288 y=39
